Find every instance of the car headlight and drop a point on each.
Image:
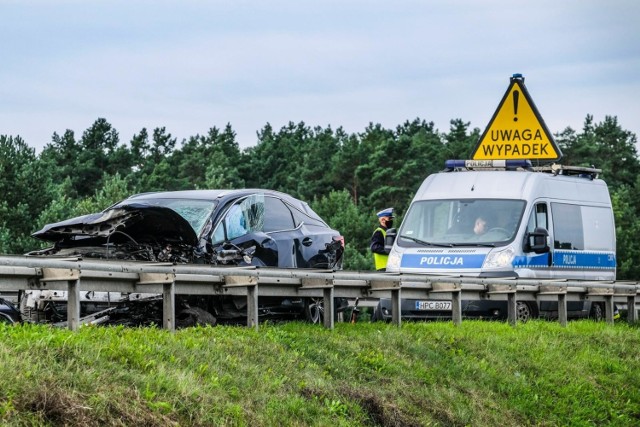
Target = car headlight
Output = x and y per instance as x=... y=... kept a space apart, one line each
x=393 y=262
x=499 y=259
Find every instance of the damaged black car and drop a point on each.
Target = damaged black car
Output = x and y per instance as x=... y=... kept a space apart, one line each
x=8 y=312
x=220 y=227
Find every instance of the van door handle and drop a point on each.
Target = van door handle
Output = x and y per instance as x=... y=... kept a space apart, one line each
x=307 y=241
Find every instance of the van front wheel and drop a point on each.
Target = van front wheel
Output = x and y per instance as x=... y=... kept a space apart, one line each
x=597 y=312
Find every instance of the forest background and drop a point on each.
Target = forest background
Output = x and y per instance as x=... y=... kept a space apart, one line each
x=345 y=177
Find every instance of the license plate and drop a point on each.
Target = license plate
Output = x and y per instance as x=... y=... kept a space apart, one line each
x=433 y=305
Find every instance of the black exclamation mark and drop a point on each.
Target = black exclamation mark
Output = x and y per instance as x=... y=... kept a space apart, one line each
x=516 y=95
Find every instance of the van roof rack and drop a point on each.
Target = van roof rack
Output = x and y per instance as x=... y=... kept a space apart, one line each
x=581 y=171
x=556 y=169
x=452 y=165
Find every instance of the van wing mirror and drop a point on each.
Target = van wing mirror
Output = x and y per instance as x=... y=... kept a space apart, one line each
x=389 y=239
x=537 y=241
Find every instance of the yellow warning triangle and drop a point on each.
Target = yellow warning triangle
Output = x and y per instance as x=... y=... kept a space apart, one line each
x=517 y=130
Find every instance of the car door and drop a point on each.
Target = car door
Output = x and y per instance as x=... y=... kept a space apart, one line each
x=312 y=239
x=239 y=237
x=280 y=226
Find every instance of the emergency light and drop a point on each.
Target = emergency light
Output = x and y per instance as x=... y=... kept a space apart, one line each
x=450 y=165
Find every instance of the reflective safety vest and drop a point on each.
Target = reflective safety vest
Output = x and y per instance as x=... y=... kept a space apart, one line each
x=380 y=260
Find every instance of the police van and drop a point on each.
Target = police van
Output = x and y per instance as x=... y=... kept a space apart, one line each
x=505 y=218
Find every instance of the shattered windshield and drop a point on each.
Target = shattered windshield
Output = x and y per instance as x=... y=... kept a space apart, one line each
x=461 y=222
x=196 y=212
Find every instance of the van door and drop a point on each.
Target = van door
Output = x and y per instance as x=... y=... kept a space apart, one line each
x=568 y=241
x=538 y=264
x=583 y=241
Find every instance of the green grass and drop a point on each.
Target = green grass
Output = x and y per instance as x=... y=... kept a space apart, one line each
x=477 y=374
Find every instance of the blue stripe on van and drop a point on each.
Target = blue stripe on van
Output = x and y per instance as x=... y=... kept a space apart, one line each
x=587 y=260
x=541 y=260
x=584 y=259
x=442 y=261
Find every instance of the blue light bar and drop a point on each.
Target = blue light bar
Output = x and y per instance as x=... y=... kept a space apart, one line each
x=484 y=164
x=454 y=164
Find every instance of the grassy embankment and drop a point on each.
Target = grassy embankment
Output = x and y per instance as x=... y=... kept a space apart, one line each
x=480 y=374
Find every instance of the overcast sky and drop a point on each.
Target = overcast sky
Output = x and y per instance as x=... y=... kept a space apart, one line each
x=192 y=65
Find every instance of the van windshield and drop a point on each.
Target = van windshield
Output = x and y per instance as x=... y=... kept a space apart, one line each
x=461 y=222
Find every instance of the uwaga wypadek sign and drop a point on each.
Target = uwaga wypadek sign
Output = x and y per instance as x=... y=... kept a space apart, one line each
x=516 y=130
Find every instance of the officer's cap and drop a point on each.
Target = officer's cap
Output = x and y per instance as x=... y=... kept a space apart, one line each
x=386 y=212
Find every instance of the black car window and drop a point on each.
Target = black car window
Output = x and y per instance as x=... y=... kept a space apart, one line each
x=278 y=216
x=244 y=216
x=236 y=223
x=301 y=217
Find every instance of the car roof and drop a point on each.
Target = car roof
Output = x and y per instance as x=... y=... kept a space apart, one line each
x=208 y=194
x=184 y=194
x=221 y=195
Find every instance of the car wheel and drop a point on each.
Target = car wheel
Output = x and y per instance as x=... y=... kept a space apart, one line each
x=523 y=312
x=597 y=312
x=314 y=310
x=5 y=318
x=194 y=316
x=377 y=314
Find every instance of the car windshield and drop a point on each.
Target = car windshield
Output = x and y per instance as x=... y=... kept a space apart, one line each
x=461 y=222
x=196 y=212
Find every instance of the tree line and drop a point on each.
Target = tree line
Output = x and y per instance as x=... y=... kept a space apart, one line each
x=345 y=177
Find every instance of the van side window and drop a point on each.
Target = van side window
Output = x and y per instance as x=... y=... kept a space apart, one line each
x=599 y=229
x=567 y=226
x=538 y=218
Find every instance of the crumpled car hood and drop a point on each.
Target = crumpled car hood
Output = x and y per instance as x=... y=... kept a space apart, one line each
x=137 y=221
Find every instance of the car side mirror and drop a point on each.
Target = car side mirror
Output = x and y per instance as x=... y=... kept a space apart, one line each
x=389 y=239
x=537 y=241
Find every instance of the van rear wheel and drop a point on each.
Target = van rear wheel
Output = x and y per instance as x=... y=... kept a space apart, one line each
x=524 y=312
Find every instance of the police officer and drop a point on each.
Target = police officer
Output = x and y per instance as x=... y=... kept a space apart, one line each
x=380 y=255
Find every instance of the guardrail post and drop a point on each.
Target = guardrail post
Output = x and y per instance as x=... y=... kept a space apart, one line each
x=329 y=308
x=456 y=308
x=169 y=306
x=73 y=304
x=512 y=309
x=168 y=282
x=632 y=313
x=396 y=307
x=327 y=297
x=455 y=289
x=561 y=292
x=252 y=306
x=72 y=277
x=510 y=291
x=608 y=309
x=392 y=284
x=562 y=309
x=250 y=283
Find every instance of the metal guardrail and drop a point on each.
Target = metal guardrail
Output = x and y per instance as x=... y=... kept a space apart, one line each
x=73 y=275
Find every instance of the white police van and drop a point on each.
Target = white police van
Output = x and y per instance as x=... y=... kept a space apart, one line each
x=505 y=218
